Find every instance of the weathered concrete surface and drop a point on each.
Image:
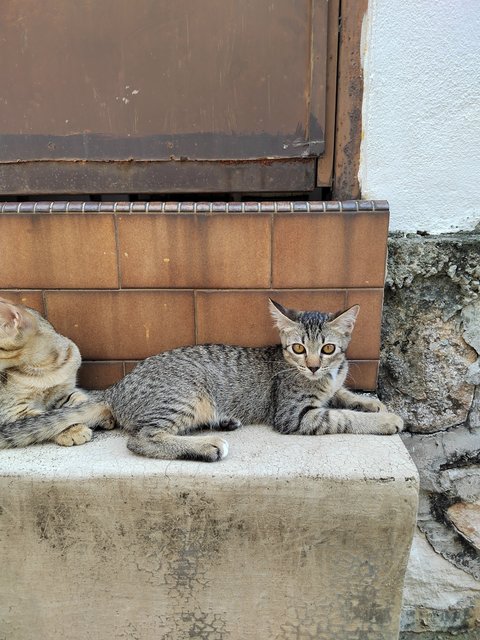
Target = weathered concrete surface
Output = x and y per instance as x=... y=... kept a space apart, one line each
x=288 y=537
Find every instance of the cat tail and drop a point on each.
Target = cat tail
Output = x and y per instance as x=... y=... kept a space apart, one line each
x=44 y=427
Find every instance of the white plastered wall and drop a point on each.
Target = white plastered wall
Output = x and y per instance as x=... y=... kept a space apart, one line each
x=421 y=112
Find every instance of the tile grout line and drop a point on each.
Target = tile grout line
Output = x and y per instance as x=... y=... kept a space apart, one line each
x=44 y=301
x=271 y=249
x=117 y=250
x=195 y=316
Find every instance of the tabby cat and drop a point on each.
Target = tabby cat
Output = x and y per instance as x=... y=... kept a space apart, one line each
x=39 y=400
x=297 y=387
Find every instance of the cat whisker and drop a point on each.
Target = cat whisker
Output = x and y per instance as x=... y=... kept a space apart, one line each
x=351 y=367
x=289 y=374
x=288 y=369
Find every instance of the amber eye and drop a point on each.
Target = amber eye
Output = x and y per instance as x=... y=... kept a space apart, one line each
x=298 y=348
x=328 y=349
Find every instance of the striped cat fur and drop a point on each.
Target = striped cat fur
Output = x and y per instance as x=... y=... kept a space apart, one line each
x=297 y=387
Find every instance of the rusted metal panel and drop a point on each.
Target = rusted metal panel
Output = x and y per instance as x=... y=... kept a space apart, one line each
x=348 y=135
x=124 y=80
x=23 y=178
x=325 y=161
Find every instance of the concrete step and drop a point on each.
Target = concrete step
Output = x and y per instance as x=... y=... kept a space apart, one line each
x=288 y=537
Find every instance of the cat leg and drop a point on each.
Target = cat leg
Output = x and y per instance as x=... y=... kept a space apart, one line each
x=81 y=433
x=79 y=397
x=46 y=426
x=222 y=424
x=162 y=432
x=318 y=421
x=347 y=399
x=156 y=443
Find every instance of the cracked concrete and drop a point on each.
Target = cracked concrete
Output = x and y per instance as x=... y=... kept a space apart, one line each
x=288 y=537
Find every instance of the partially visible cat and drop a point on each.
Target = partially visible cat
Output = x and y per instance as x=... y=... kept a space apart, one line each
x=296 y=386
x=39 y=400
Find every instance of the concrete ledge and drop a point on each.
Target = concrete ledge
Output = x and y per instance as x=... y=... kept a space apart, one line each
x=288 y=537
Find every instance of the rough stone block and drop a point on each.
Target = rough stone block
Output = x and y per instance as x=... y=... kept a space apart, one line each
x=288 y=537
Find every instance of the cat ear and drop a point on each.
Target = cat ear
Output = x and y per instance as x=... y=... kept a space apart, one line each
x=284 y=318
x=11 y=317
x=345 y=321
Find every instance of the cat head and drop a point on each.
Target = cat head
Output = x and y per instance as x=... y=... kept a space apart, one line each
x=16 y=325
x=314 y=342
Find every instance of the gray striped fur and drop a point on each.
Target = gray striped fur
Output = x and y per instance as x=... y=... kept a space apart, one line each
x=206 y=387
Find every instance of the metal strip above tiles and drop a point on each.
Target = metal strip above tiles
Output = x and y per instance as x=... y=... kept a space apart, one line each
x=347 y=206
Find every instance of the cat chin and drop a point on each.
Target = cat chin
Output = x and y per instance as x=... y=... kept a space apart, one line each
x=320 y=374
x=313 y=377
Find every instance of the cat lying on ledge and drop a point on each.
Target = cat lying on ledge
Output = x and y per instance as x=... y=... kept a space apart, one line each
x=296 y=386
x=39 y=400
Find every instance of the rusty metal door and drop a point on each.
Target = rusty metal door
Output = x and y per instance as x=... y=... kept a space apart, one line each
x=161 y=95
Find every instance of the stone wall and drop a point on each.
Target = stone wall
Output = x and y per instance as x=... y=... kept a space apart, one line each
x=429 y=374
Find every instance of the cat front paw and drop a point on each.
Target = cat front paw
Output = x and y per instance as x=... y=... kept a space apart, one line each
x=77 y=434
x=392 y=423
x=77 y=397
x=373 y=405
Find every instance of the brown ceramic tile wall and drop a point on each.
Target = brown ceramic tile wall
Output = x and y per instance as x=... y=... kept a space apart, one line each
x=53 y=251
x=191 y=251
x=111 y=325
x=32 y=299
x=127 y=280
x=100 y=375
x=329 y=250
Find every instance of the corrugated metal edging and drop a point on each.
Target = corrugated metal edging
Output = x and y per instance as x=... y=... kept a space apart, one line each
x=277 y=206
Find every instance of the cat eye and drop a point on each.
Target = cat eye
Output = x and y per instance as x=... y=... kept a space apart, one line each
x=298 y=348
x=328 y=349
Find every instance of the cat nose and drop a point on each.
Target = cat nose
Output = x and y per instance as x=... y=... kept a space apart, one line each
x=313 y=369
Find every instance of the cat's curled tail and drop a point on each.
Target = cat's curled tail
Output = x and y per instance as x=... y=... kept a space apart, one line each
x=47 y=426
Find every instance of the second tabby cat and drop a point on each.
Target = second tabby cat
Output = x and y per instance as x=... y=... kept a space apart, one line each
x=297 y=386
x=39 y=399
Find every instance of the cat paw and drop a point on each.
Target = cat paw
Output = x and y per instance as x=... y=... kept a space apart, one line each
x=213 y=450
x=77 y=397
x=373 y=405
x=392 y=423
x=108 y=422
x=229 y=424
x=77 y=434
